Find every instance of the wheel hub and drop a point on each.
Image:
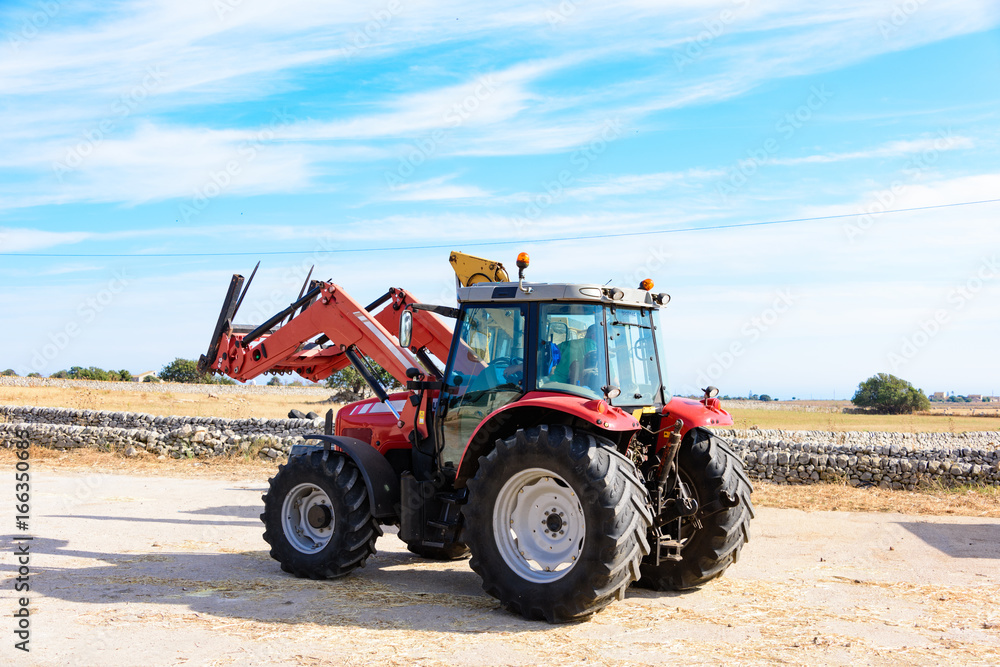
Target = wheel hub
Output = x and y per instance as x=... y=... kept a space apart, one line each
x=539 y=525
x=319 y=516
x=307 y=518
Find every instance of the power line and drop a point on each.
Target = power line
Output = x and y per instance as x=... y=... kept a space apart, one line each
x=474 y=244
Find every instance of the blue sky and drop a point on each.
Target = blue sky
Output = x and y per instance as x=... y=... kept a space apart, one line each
x=137 y=133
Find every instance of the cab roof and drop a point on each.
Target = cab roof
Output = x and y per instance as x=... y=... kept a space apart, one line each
x=511 y=292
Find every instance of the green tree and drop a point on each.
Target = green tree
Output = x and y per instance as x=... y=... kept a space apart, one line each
x=275 y=381
x=184 y=370
x=10 y=372
x=92 y=373
x=889 y=394
x=352 y=386
x=765 y=398
x=125 y=376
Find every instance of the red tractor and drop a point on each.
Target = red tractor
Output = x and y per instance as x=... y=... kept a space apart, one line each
x=548 y=446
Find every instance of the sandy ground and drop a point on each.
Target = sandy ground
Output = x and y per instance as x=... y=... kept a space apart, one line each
x=168 y=571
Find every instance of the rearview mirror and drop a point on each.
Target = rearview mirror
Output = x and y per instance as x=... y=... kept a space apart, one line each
x=405 y=328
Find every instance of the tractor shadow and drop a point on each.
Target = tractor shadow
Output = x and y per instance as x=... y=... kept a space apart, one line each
x=215 y=573
x=959 y=540
x=395 y=590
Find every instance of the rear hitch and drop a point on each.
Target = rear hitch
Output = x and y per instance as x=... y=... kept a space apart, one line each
x=677 y=508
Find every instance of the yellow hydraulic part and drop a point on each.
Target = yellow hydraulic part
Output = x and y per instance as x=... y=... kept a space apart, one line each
x=473 y=270
x=639 y=412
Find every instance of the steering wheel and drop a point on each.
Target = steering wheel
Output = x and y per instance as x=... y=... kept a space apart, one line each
x=643 y=348
x=504 y=363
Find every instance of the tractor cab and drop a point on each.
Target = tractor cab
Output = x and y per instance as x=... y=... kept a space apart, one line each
x=575 y=344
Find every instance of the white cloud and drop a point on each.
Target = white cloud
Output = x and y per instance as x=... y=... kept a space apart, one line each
x=436 y=189
x=945 y=142
x=67 y=80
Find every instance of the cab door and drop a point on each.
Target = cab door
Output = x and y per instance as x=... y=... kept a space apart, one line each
x=485 y=372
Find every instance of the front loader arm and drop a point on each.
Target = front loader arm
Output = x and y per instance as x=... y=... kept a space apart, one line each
x=429 y=333
x=325 y=328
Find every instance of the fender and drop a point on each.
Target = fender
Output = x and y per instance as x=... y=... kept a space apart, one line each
x=380 y=479
x=706 y=412
x=593 y=410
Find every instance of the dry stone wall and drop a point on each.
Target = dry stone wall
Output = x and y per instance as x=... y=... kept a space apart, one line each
x=888 y=460
x=177 y=437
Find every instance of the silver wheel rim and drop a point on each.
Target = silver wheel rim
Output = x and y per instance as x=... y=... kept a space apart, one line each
x=539 y=525
x=307 y=518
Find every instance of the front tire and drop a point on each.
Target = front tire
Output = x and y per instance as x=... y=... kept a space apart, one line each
x=713 y=473
x=556 y=522
x=317 y=516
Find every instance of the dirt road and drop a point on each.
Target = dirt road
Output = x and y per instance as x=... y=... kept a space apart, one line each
x=165 y=571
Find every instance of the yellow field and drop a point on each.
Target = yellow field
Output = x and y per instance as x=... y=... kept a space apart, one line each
x=211 y=403
x=835 y=421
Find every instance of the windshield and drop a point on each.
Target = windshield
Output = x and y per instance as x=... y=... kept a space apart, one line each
x=632 y=361
x=572 y=349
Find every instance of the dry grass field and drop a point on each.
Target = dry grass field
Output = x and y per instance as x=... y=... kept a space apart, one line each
x=210 y=403
x=800 y=415
x=837 y=421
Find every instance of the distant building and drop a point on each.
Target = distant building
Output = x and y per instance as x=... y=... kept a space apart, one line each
x=975 y=398
x=140 y=377
x=937 y=396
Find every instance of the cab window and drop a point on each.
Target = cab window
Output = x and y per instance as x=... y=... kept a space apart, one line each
x=571 y=349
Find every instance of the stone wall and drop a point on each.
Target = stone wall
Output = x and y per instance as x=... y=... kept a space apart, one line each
x=177 y=437
x=888 y=460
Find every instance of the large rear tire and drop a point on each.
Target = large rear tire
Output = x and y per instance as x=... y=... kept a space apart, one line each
x=317 y=516
x=556 y=522
x=714 y=475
